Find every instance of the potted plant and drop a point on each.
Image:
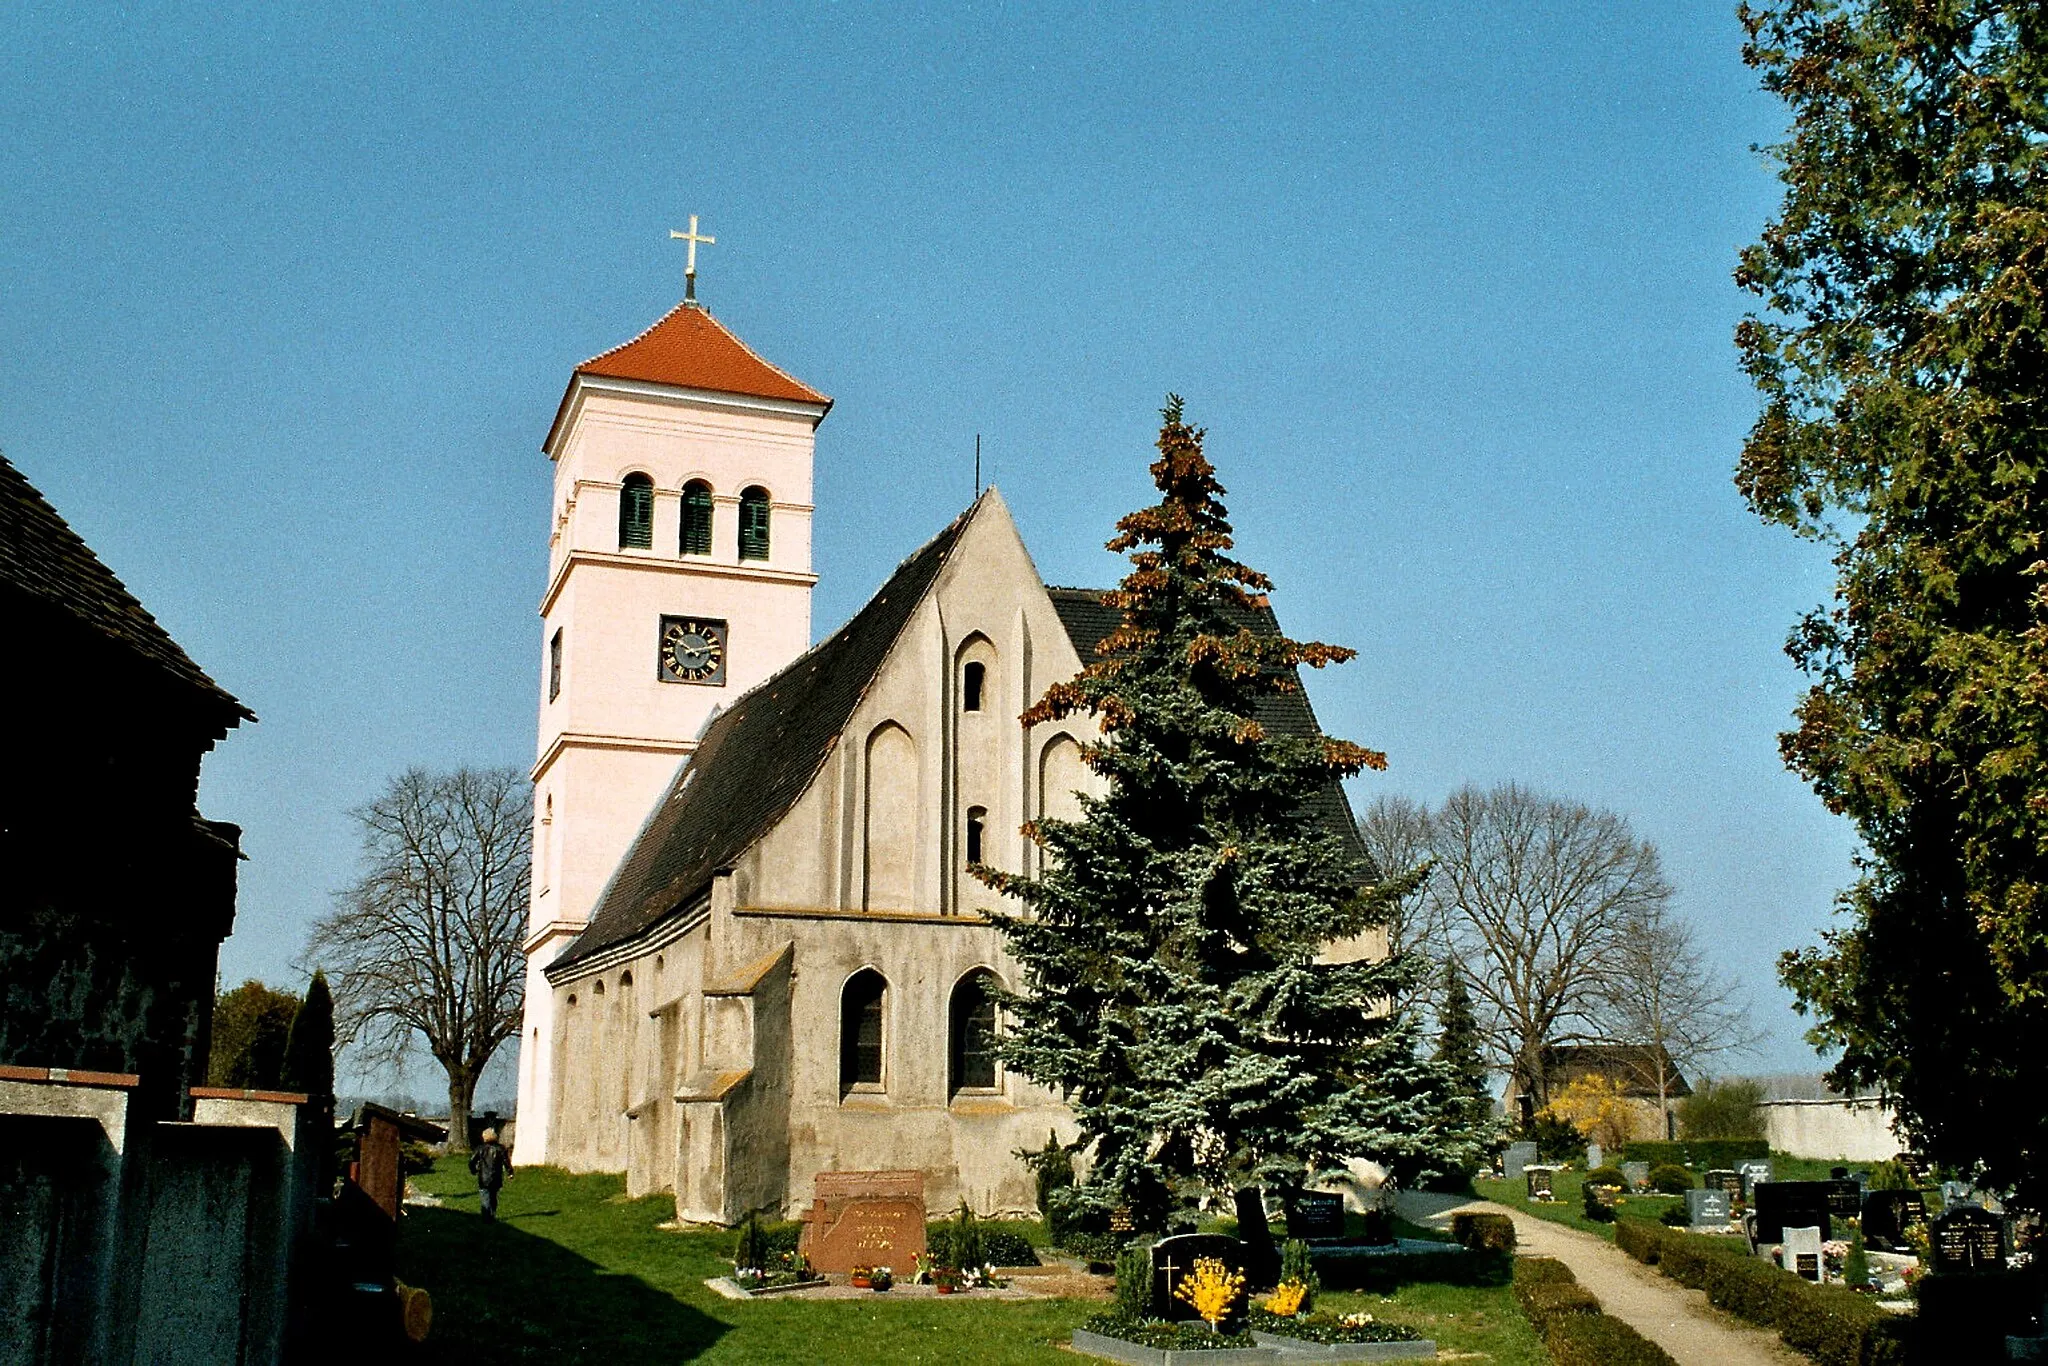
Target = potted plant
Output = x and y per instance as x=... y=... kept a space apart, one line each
x=945 y=1279
x=881 y=1279
x=862 y=1277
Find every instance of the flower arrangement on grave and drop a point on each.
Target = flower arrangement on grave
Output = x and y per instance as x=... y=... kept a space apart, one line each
x=1285 y=1301
x=1211 y=1288
x=881 y=1278
x=1297 y=1266
x=945 y=1279
x=861 y=1277
x=922 y=1267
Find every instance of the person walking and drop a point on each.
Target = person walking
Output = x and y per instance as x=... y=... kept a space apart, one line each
x=490 y=1164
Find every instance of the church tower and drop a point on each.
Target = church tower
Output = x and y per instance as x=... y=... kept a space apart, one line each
x=679 y=576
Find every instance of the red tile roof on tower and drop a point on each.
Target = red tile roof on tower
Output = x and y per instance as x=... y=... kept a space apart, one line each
x=693 y=350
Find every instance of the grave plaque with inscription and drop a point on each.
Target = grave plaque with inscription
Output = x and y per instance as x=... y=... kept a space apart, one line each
x=1888 y=1214
x=865 y=1219
x=1845 y=1198
x=1967 y=1238
x=1315 y=1214
x=1708 y=1208
x=1724 y=1179
x=1753 y=1173
x=1173 y=1260
x=1540 y=1182
x=1801 y=1252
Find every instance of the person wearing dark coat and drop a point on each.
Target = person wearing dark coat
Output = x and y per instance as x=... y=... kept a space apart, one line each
x=490 y=1164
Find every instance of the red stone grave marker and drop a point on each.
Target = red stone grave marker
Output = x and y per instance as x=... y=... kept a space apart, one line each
x=865 y=1219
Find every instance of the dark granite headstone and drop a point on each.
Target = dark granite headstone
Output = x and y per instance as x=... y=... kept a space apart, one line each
x=1754 y=1172
x=1315 y=1214
x=1838 y=1173
x=1845 y=1197
x=1887 y=1214
x=1173 y=1260
x=1967 y=1238
x=1708 y=1208
x=1793 y=1204
x=1723 y=1179
x=1262 y=1259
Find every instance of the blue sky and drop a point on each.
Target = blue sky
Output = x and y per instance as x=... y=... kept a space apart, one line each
x=288 y=297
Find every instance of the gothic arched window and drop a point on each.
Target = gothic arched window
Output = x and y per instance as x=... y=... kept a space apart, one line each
x=971 y=680
x=972 y=1062
x=860 y=1030
x=636 y=513
x=754 y=523
x=977 y=823
x=696 y=518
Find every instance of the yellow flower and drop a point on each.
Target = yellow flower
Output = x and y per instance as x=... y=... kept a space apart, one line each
x=1211 y=1288
x=1285 y=1301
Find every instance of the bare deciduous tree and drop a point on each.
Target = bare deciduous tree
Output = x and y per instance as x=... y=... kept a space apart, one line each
x=1534 y=895
x=1665 y=999
x=1396 y=832
x=425 y=946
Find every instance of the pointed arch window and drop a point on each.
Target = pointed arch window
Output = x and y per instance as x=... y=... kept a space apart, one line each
x=636 y=513
x=977 y=824
x=860 y=1030
x=754 y=523
x=972 y=680
x=972 y=1061
x=696 y=518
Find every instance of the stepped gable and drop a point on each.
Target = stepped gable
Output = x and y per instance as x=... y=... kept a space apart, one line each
x=754 y=761
x=46 y=566
x=1089 y=621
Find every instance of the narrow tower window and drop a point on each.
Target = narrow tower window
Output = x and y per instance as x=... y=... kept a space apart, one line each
x=973 y=1035
x=696 y=518
x=977 y=818
x=555 y=666
x=860 y=1030
x=636 y=513
x=970 y=685
x=754 y=524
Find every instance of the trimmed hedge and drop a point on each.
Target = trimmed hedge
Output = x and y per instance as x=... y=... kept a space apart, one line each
x=1384 y=1273
x=1546 y=1290
x=1705 y=1153
x=1597 y=1340
x=1973 y=1311
x=1830 y=1323
x=1484 y=1232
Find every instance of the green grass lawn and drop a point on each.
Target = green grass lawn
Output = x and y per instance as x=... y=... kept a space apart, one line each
x=574 y=1271
x=1570 y=1208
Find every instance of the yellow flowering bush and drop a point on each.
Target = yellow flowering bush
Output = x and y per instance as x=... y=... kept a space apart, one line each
x=1285 y=1301
x=1211 y=1288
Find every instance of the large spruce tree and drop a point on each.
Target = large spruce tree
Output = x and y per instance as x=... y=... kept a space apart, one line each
x=1170 y=944
x=1902 y=358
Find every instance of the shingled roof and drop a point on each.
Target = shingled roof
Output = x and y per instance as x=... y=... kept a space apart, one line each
x=691 y=349
x=755 y=760
x=1089 y=621
x=44 y=561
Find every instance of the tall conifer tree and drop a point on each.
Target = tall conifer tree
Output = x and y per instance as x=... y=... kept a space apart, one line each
x=1170 y=944
x=1461 y=1048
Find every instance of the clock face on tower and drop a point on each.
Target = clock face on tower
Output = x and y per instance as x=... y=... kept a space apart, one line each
x=692 y=651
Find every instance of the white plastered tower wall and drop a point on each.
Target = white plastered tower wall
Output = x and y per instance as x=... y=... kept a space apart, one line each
x=612 y=731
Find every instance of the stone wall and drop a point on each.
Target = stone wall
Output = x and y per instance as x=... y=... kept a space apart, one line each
x=1851 y=1130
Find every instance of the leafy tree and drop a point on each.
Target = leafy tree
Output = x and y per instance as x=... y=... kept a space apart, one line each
x=1901 y=357
x=425 y=946
x=250 y=1025
x=1170 y=945
x=1722 y=1109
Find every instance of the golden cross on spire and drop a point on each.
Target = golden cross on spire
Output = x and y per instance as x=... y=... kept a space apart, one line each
x=693 y=237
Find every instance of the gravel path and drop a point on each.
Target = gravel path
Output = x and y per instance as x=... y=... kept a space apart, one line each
x=1675 y=1318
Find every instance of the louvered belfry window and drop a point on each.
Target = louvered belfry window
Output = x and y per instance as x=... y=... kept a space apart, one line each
x=696 y=518
x=636 y=513
x=754 y=524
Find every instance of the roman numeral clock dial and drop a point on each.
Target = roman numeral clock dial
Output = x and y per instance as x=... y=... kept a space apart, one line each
x=692 y=650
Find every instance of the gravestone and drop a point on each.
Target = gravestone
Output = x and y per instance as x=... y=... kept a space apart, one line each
x=1173 y=1260
x=1540 y=1181
x=1315 y=1214
x=1517 y=1158
x=1967 y=1238
x=1801 y=1252
x=1724 y=1179
x=1887 y=1215
x=1790 y=1204
x=1753 y=1172
x=1845 y=1198
x=1595 y=1156
x=865 y=1219
x=1954 y=1193
x=1917 y=1167
x=1638 y=1174
x=1262 y=1259
x=1602 y=1195
x=1708 y=1208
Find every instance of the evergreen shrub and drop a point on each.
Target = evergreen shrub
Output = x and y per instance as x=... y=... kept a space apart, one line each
x=1669 y=1178
x=1598 y=1340
x=1298 y=1264
x=1701 y=1154
x=1483 y=1232
x=1546 y=1289
x=1134 y=1282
